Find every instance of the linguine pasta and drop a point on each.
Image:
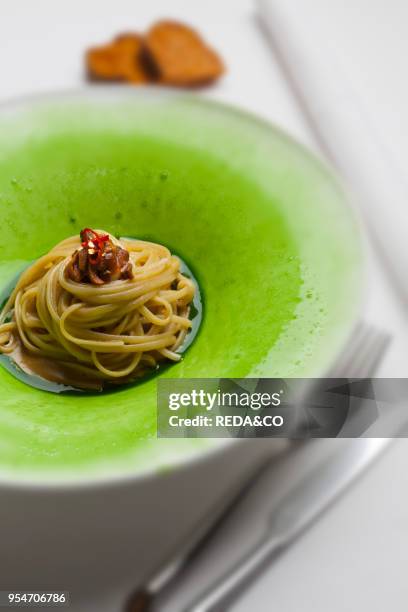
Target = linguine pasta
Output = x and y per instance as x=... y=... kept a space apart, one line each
x=114 y=331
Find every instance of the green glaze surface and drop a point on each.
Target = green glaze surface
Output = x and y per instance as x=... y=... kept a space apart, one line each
x=260 y=222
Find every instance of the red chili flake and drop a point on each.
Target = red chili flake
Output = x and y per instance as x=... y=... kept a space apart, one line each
x=93 y=242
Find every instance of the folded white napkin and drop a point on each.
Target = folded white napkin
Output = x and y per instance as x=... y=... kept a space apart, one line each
x=343 y=132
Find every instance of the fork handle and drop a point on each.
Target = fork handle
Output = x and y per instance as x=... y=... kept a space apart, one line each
x=221 y=596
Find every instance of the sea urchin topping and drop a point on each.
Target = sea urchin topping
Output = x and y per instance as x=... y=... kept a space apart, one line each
x=98 y=260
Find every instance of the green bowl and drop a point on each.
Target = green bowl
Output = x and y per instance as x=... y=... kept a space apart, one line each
x=263 y=225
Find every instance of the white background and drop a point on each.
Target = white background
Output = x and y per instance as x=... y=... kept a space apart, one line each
x=356 y=557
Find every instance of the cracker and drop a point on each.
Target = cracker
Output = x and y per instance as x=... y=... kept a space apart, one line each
x=101 y=63
x=180 y=56
x=119 y=60
x=130 y=63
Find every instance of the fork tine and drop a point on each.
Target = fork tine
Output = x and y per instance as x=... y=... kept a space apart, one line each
x=359 y=354
x=363 y=354
x=341 y=366
x=374 y=354
x=362 y=364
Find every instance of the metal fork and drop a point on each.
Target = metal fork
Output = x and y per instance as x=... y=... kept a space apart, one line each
x=359 y=359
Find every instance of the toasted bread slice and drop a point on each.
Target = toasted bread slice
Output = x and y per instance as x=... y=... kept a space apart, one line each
x=180 y=56
x=101 y=63
x=119 y=60
x=129 y=59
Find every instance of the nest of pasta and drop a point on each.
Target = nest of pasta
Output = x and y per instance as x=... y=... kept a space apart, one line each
x=97 y=309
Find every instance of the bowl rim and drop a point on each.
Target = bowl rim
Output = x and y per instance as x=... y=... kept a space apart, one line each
x=58 y=481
